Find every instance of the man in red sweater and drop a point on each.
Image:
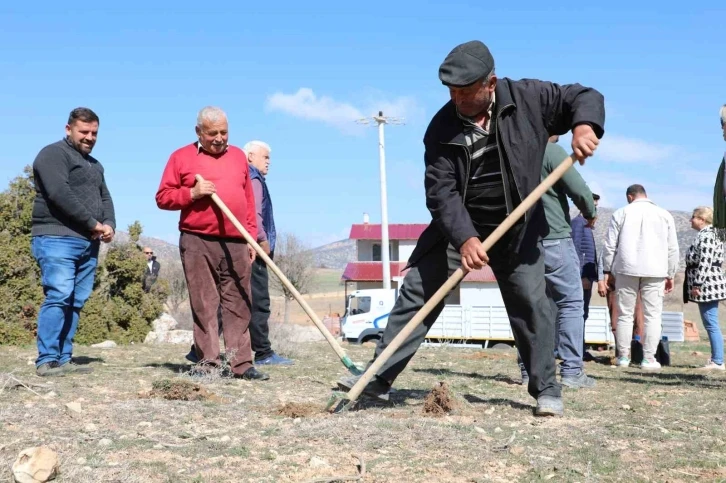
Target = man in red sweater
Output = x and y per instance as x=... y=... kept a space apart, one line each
x=216 y=258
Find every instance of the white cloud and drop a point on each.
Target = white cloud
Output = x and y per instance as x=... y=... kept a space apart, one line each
x=621 y=149
x=306 y=104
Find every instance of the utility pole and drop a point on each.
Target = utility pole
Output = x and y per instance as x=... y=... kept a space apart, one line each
x=382 y=120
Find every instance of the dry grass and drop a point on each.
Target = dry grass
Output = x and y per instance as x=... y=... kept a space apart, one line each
x=633 y=426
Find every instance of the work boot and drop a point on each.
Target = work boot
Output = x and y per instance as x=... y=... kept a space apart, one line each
x=377 y=388
x=549 y=406
x=578 y=381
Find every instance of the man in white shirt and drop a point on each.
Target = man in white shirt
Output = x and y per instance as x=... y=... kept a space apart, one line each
x=152 y=269
x=640 y=256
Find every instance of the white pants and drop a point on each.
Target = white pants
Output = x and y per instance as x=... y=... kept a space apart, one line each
x=652 y=292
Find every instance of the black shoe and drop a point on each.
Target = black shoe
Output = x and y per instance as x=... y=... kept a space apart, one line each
x=252 y=374
x=192 y=356
x=587 y=357
x=377 y=388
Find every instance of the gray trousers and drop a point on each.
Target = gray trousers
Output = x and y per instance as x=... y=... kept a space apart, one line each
x=521 y=280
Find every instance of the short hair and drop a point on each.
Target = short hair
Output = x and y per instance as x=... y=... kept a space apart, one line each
x=210 y=113
x=82 y=114
x=250 y=146
x=705 y=213
x=635 y=189
x=723 y=114
x=595 y=196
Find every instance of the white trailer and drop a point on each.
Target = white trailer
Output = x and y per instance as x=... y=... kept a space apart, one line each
x=366 y=316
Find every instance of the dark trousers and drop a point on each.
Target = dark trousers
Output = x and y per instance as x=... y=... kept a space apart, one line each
x=217 y=272
x=259 y=323
x=522 y=283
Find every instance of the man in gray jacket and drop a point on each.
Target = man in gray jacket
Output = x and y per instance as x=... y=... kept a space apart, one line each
x=72 y=212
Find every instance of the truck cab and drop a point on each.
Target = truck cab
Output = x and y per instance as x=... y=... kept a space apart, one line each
x=366 y=314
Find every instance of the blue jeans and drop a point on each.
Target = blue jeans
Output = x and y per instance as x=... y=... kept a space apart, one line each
x=709 y=315
x=67 y=267
x=564 y=286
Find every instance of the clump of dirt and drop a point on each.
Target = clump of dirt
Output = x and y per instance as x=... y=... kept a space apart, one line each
x=180 y=390
x=298 y=410
x=439 y=401
x=487 y=354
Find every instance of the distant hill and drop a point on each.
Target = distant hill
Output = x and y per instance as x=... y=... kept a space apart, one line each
x=335 y=255
x=166 y=253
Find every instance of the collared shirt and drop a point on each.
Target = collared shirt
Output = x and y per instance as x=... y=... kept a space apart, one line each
x=200 y=148
x=484 y=195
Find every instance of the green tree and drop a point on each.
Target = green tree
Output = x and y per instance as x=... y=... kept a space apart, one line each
x=118 y=308
x=20 y=288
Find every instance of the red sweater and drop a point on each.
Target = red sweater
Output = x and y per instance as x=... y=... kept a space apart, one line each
x=230 y=175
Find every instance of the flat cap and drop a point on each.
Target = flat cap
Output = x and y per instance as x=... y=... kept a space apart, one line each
x=466 y=64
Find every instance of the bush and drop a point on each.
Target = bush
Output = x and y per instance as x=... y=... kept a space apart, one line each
x=118 y=308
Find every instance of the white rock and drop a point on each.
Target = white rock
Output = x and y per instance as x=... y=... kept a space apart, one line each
x=74 y=406
x=225 y=439
x=90 y=427
x=150 y=338
x=185 y=337
x=144 y=424
x=50 y=395
x=35 y=465
x=106 y=344
x=105 y=442
x=81 y=461
x=316 y=462
x=164 y=323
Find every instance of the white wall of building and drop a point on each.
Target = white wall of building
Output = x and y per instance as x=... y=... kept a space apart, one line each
x=365 y=250
x=405 y=249
x=480 y=293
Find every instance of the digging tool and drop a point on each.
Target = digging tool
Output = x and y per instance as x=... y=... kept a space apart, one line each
x=338 y=399
x=347 y=362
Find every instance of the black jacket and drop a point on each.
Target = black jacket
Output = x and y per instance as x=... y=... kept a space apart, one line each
x=528 y=113
x=150 y=276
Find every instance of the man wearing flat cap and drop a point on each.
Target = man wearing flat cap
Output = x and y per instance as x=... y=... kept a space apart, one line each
x=484 y=152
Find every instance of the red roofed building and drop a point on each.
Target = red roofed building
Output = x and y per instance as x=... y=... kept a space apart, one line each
x=478 y=288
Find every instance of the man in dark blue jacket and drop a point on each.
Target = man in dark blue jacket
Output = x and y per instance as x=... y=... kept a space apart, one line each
x=484 y=152
x=258 y=155
x=584 y=241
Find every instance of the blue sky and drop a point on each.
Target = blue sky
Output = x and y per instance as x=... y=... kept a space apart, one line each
x=297 y=75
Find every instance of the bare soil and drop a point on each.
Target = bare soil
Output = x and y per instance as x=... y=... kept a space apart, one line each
x=634 y=426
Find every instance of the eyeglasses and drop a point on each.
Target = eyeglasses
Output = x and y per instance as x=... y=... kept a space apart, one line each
x=148 y=253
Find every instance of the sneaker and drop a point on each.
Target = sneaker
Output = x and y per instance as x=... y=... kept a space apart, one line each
x=712 y=366
x=49 y=369
x=647 y=365
x=274 y=360
x=549 y=406
x=71 y=367
x=623 y=361
x=252 y=374
x=578 y=381
x=525 y=375
x=377 y=388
